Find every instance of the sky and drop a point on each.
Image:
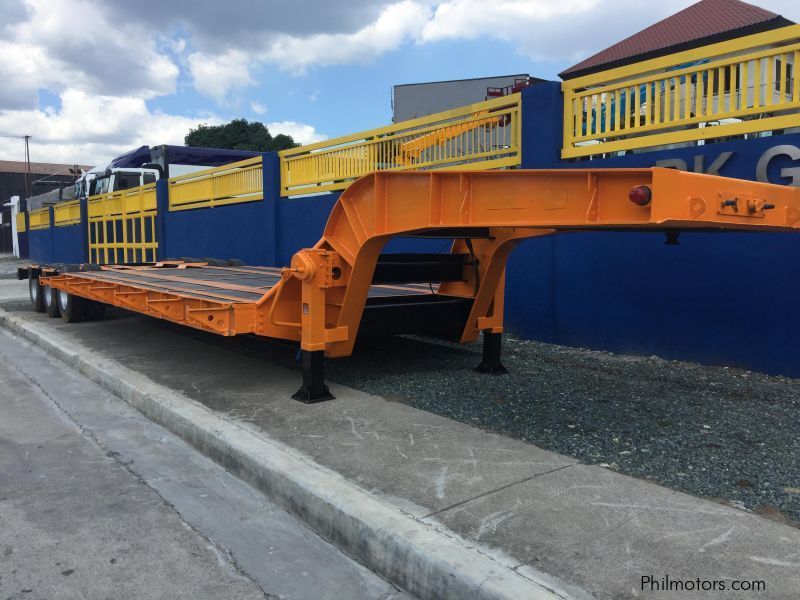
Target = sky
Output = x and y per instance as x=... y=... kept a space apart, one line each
x=90 y=79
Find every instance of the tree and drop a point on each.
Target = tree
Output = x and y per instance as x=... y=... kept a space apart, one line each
x=239 y=134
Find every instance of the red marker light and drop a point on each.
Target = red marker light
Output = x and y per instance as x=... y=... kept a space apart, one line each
x=641 y=195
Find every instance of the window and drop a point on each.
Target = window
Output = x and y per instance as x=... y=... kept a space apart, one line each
x=727 y=88
x=788 y=79
x=101 y=185
x=149 y=178
x=126 y=181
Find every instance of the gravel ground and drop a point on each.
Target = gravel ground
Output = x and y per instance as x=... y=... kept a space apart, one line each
x=9 y=264
x=715 y=432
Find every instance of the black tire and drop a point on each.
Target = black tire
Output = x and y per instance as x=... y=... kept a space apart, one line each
x=50 y=299
x=72 y=307
x=35 y=292
x=94 y=311
x=236 y=262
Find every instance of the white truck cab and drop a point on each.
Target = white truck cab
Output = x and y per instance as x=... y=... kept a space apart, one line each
x=113 y=180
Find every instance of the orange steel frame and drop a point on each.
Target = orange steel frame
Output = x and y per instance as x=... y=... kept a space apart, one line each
x=321 y=296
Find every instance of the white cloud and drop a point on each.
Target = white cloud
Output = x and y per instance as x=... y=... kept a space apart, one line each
x=95 y=56
x=300 y=132
x=218 y=75
x=540 y=29
x=90 y=129
x=396 y=24
x=459 y=19
x=258 y=107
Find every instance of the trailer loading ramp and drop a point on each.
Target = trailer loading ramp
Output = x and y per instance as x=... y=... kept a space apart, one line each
x=344 y=287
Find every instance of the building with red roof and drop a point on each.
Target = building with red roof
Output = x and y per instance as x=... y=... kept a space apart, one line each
x=703 y=23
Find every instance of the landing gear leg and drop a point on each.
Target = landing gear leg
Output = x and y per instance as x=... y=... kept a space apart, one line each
x=492 y=343
x=313 y=388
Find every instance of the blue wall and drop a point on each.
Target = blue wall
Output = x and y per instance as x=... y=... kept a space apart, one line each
x=230 y=231
x=40 y=242
x=68 y=244
x=24 y=246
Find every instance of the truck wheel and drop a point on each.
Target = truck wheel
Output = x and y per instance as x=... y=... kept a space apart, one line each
x=49 y=296
x=72 y=307
x=94 y=311
x=35 y=291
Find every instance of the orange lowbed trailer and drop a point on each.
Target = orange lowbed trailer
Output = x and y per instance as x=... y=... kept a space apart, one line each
x=344 y=286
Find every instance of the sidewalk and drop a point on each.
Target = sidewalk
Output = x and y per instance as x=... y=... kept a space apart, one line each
x=98 y=502
x=575 y=526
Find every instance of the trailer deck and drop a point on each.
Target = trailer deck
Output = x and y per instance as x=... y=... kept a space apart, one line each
x=224 y=285
x=345 y=287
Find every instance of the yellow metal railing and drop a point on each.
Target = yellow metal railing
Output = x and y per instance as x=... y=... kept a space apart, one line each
x=20 y=222
x=746 y=85
x=122 y=226
x=485 y=135
x=67 y=213
x=229 y=184
x=39 y=218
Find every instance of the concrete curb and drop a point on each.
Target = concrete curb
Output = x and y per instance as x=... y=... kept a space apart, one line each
x=428 y=562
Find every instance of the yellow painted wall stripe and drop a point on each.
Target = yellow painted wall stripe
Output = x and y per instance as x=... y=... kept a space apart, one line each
x=67 y=213
x=39 y=218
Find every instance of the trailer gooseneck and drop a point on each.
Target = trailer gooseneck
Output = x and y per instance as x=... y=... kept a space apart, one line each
x=344 y=287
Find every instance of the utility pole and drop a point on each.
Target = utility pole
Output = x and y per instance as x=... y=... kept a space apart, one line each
x=27 y=165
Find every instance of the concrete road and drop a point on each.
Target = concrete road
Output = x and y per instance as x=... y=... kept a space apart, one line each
x=13 y=289
x=98 y=502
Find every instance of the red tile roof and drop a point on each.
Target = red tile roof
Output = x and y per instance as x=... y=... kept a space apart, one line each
x=706 y=22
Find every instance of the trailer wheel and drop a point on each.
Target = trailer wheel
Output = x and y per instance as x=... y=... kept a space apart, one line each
x=50 y=299
x=236 y=262
x=94 y=311
x=72 y=307
x=35 y=291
